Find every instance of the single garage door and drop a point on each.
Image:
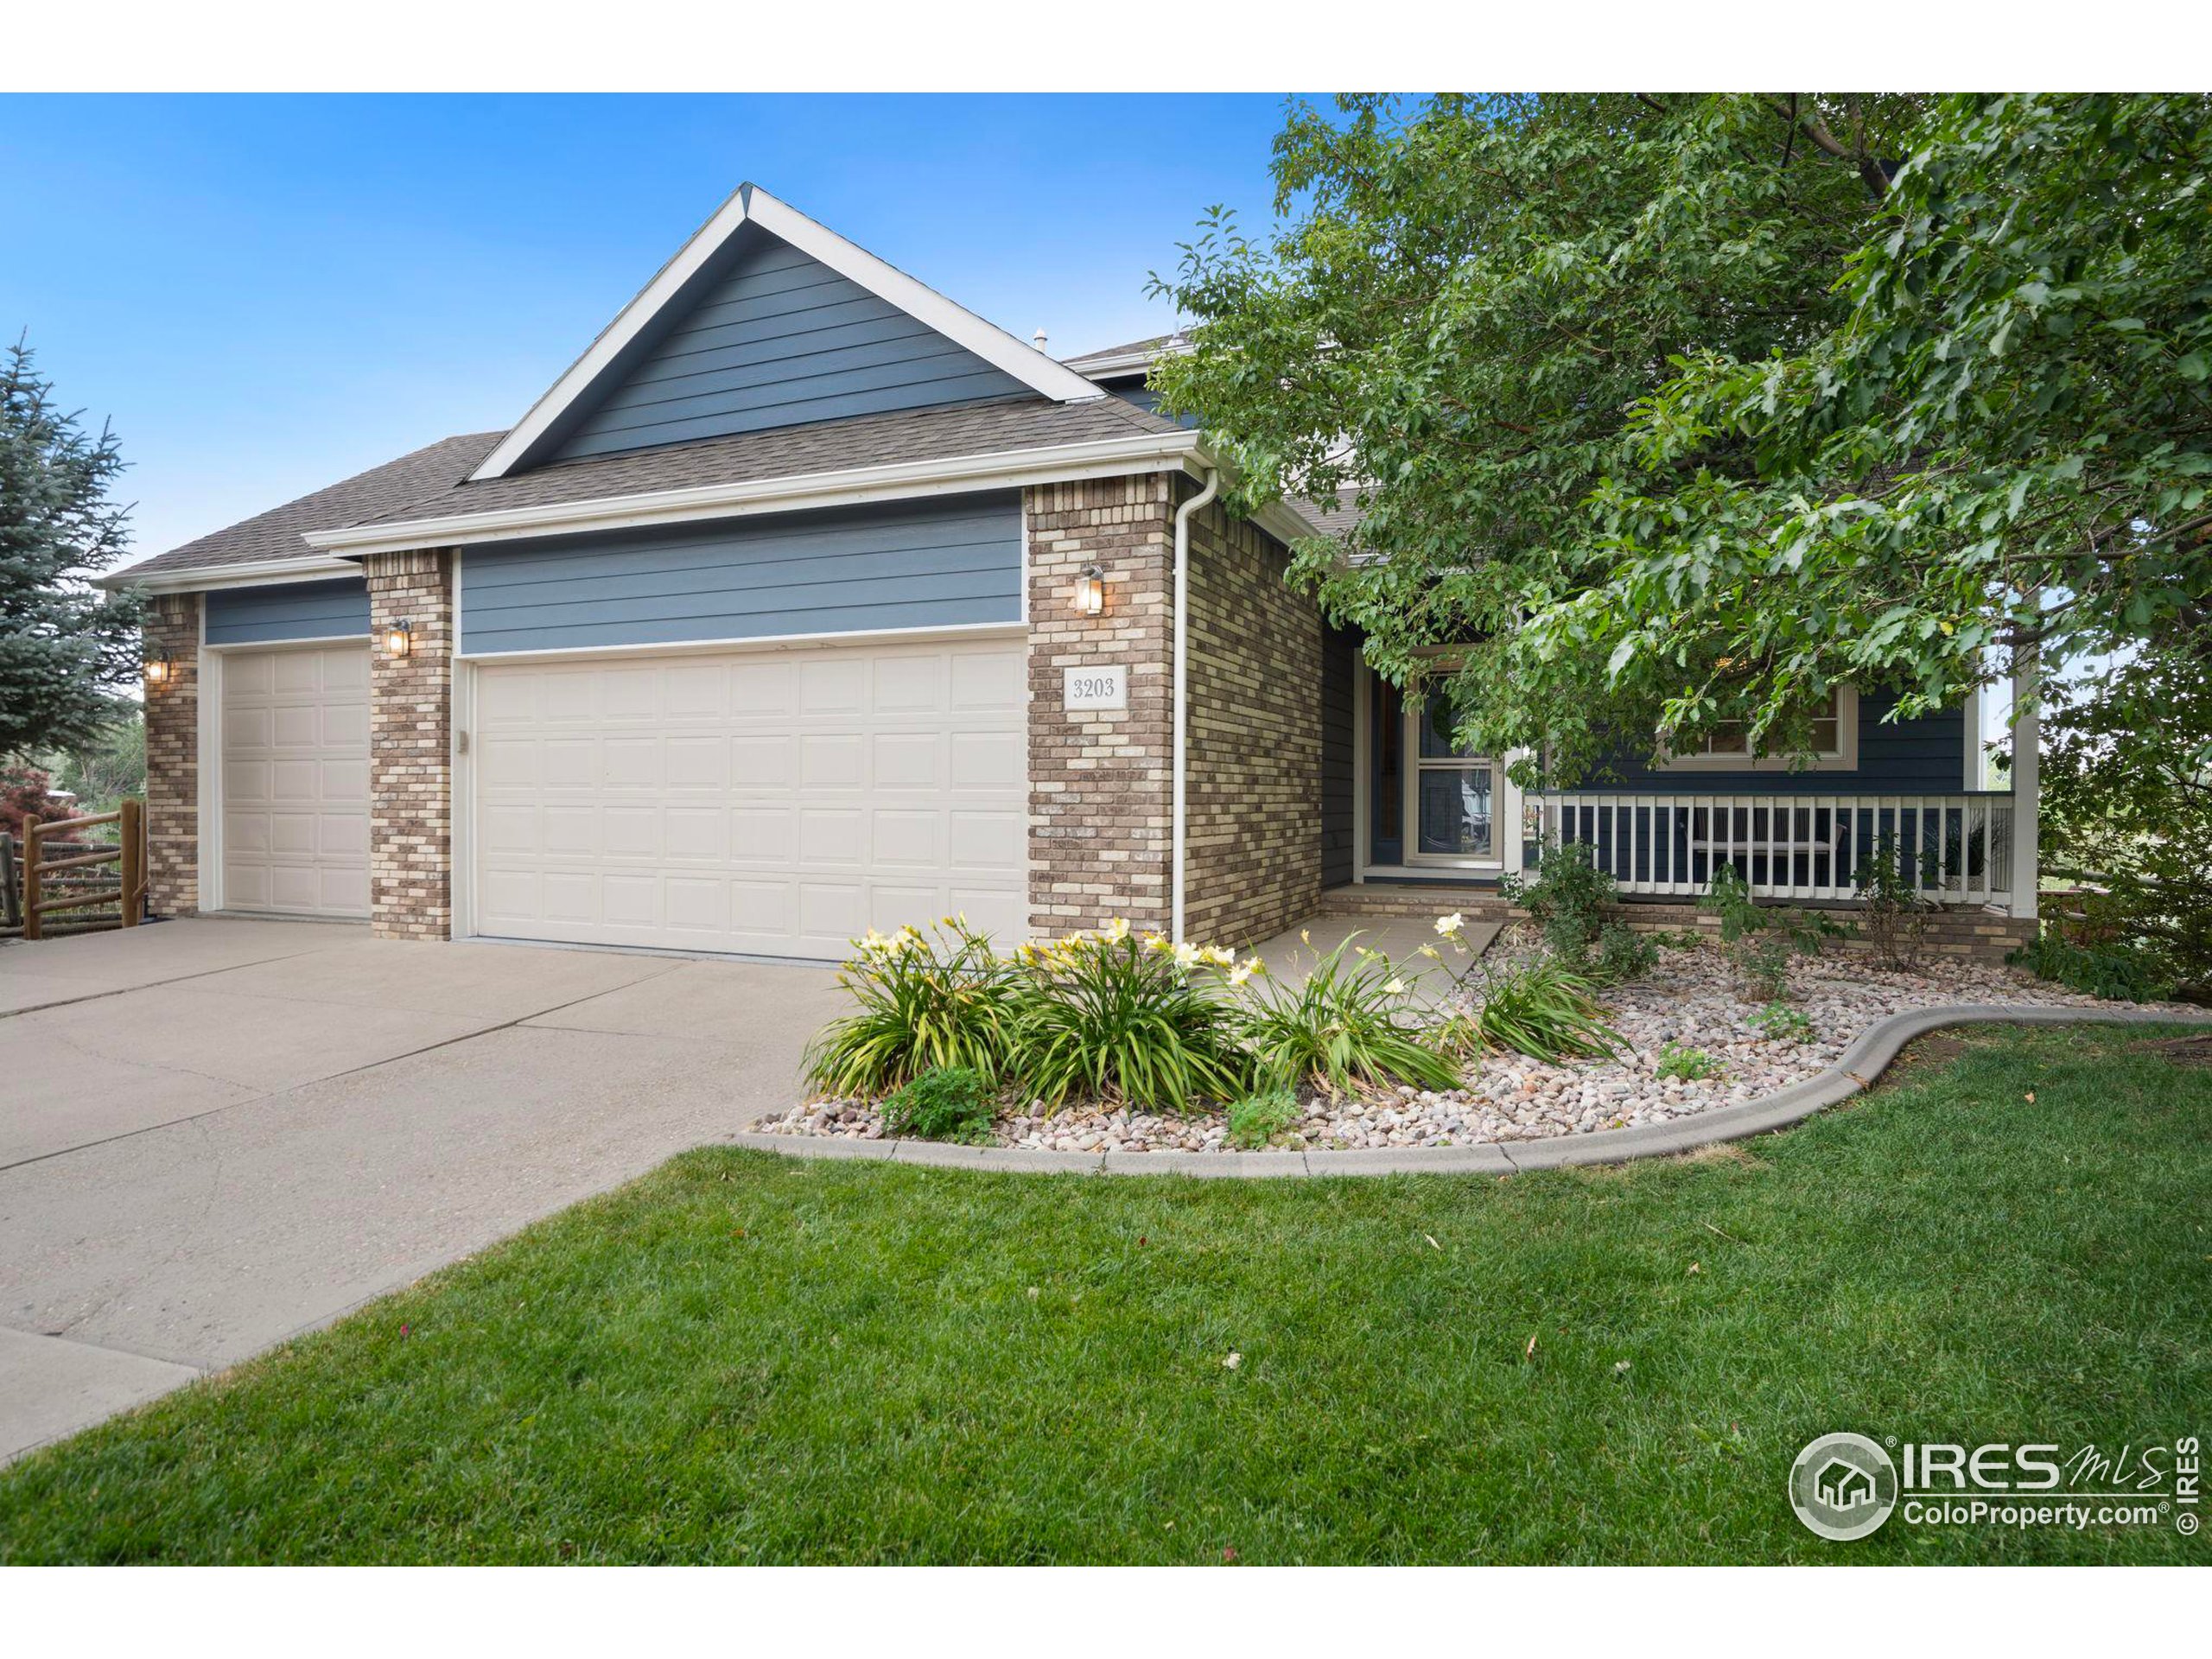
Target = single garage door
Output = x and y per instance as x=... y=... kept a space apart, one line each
x=773 y=803
x=296 y=780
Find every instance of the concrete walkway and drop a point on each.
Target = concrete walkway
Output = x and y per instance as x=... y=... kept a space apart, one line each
x=217 y=1133
x=1292 y=956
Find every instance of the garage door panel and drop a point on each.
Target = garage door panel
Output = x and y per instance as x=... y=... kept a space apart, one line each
x=910 y=685
x=772 y=802
x=345 y=891
x=762 y=689
x=297 y=671
x=296 y=780
x=698 y=905
x=832 y=685
x=696 y=691
x=298 y=726
x=831 y=760
x=907 y=839
x=986 y=841
x=831 y=836
x=568 y=763
x=763 y=835
x=631 y=832
x=906 y=761
x=294 y=887
x=697 y=834
x=997 y=683
x=346 y=728
x=345 y=782
x=760 y=763
x=245 y=832
x=698 y=762
x=249 y=726
x=570 y=896
x=988 y=761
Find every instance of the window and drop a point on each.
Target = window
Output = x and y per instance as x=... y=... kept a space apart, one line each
x=1835 y=737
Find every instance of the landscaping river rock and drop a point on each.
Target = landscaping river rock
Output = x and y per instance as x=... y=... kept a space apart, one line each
x=1689 y=1000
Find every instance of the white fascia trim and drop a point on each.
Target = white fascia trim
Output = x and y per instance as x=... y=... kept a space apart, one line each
x=1141 y=453
x=1285 y=523
x=749 y=204
x=1118 y=366
x=1019 y=358
x=305 y=568
x=320 y=642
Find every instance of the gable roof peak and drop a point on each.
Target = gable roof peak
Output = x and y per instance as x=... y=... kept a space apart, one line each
x=749 y=204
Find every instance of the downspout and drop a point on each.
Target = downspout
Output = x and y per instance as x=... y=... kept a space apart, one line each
x=1183 y=695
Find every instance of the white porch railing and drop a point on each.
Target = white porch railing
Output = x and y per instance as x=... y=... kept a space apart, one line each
x=1957 y=850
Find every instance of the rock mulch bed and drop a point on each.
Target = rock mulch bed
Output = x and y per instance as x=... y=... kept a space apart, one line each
x=1690 y=999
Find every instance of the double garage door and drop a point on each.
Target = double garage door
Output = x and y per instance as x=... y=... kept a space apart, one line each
x=767 y=802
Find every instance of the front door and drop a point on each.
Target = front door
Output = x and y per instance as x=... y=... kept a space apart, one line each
x=1432 y=801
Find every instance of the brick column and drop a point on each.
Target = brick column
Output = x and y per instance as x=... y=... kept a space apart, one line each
x=1252 y=823
x=1099 y=782
x=410 y=750
x=171 y=634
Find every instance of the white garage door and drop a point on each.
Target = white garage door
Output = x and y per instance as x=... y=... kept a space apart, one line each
x=296 y=780
x=772 y=802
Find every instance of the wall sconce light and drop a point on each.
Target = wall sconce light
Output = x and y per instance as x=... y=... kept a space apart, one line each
x=159 y=670
x=399 y=639
x=1089 y=596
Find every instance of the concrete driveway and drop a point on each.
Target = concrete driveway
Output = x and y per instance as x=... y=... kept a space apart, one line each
x=216 y=1134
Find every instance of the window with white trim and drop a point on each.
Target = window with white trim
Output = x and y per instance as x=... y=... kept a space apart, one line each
x=1727 y=746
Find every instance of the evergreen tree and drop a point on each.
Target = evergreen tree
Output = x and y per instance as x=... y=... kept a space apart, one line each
x=66 y=649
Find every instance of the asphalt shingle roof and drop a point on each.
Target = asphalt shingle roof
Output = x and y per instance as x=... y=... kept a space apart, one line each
x=432 y=482
x=275 y=534
x=797 y=452
x=1338 y=517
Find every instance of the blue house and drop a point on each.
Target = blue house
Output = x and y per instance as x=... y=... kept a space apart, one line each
x=806 y=600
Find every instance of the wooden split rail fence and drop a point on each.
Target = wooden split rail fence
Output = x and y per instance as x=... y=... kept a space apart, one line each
x=61 y=874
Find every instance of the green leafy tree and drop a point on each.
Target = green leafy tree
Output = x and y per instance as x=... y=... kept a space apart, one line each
x=2126 y=810
x=1684 y=409
x=65 y=647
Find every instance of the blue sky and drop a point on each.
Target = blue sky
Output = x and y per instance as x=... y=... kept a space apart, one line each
x=266 y=294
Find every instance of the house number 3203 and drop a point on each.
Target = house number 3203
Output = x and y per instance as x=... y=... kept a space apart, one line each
x=1096 y=688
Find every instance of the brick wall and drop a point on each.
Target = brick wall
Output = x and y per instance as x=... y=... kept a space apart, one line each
x=410 y=764
x=1099 y=781
x=1253 y=816
x=1980 y=934
x=171 y=632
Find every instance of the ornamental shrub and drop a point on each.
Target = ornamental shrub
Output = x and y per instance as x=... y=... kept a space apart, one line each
x=947 y=1103
x=1349 y=1023
x=1138 y=1021
x=924 y=1000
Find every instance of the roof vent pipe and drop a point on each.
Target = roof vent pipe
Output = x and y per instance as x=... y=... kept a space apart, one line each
x=1038 y=339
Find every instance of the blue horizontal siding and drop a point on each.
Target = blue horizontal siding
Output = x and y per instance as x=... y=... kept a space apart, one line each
x=291 y=610
x=771 y=338
x=932 y=564
x=1923 y=756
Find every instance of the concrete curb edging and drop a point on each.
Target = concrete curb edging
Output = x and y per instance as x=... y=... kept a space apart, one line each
x=1865 y=1061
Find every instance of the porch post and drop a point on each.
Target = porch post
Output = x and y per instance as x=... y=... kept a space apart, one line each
x=2026 y=782
x=1509 y=814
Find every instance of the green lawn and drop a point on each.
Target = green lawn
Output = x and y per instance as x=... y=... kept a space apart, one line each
x=748 y=1359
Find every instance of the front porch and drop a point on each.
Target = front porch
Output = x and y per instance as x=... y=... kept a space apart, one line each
x=1437 y=827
